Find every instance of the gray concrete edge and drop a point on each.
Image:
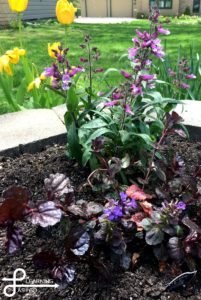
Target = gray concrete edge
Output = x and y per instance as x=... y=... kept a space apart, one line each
x=61 y=138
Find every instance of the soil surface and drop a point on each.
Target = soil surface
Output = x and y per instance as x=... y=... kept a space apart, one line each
x=143 y=282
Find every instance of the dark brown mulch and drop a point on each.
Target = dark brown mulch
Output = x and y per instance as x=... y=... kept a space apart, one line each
x=144 y=282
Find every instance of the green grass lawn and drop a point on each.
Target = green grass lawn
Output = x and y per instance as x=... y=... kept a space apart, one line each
x=113 y=40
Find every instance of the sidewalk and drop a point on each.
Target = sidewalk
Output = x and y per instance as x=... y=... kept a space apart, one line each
x=82 y=20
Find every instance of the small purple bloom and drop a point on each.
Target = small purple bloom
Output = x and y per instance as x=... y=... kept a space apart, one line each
x=128 y=109
x=181 y=205
x=100 y=94
x=132 y=203
x=83 y=59
x=65 y=82
x=147 y=77
x=171 y=73
x=184 y=86
x=136 y=89
x=113 y=213
x=132 y=52
x=190 y=76
x=163 y=30
x=126 y=74
x=135 y=40
x=117 y=96
x=49 y=72
x=99 y=70
x=123 y=196
x=54 y=83
x=111 y=103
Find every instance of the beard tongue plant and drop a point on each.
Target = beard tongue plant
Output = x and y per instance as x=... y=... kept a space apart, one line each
x=148 y=202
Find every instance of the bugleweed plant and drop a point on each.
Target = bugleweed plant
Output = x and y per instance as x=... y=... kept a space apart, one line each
x=147 y=203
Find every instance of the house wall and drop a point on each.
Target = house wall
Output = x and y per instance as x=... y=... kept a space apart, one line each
x=37 y=9
x=142 y=6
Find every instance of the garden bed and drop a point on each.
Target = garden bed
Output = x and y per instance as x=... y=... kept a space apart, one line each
x=144 y=281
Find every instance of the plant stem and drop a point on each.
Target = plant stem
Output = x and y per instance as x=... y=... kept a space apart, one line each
x=153 y=155
x=65 y=36
x=20 y=29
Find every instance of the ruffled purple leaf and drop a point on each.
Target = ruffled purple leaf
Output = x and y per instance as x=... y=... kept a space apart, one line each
x=46 y=214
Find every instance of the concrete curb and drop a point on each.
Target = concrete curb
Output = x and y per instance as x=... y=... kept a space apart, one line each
x=33 y=130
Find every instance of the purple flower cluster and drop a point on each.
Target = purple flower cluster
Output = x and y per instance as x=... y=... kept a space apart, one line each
x=182 y=75
x=118 y=209
x=146 y=46
x=61 y=72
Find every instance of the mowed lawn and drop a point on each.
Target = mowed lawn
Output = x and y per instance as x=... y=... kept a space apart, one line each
x=113 y=40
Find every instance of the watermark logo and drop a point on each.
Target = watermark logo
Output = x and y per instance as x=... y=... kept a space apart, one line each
x=17 y=285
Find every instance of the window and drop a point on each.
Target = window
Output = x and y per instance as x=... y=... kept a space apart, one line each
x=161 y=3
x=196 y=6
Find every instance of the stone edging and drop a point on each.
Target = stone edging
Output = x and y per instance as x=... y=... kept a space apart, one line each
x=32 y=130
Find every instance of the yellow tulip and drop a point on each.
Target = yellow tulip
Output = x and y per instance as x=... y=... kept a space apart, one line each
x=54 y=46
x=4 y=65
x=36 y=82
x=14 y=55
x=18 y=5
x=65 y=12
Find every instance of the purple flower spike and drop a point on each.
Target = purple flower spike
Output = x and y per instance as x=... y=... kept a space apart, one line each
x=126 y=74
x=111 y=103
x=128 y=109
x=132 y=52
x=190 y=76
x=181 y=205
x=162 y=30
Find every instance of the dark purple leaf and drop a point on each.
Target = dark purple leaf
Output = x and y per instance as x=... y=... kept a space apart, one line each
x=178 y=164
x=98 y=144
x=101 y=234
x=181 y=133
x=175 y=249
x=45 y=259
x=57 y=185
x=82 y=244
x=181 y=281
x=191 y=225
x=15 y=201
x=85 y=209
x=125 y=260
x=161 y=253
x=154 y=236
x=47 y=214
x=63 y=274
x=13 y=238
x=114 y=166
x=101 y=268
x=117 y=243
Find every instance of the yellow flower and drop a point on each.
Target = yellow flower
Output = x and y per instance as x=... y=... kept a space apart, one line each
x=14 y=55
x=54 y=46
x=36 y=82
x=4 y=65
x=65 y=12
x=18 y=5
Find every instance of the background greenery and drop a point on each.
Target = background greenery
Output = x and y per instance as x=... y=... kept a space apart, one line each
x=113 y=40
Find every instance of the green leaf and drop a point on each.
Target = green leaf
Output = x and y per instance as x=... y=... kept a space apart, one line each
x=72 y=100
x=125 y=162
x=86 y=156
x=110 y=70
x=97 y=133
x=96 y=123
x=144 y=137
x=73 y=145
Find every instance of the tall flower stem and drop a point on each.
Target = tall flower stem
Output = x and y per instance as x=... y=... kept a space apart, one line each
x=20 y=29
x=65 y=36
